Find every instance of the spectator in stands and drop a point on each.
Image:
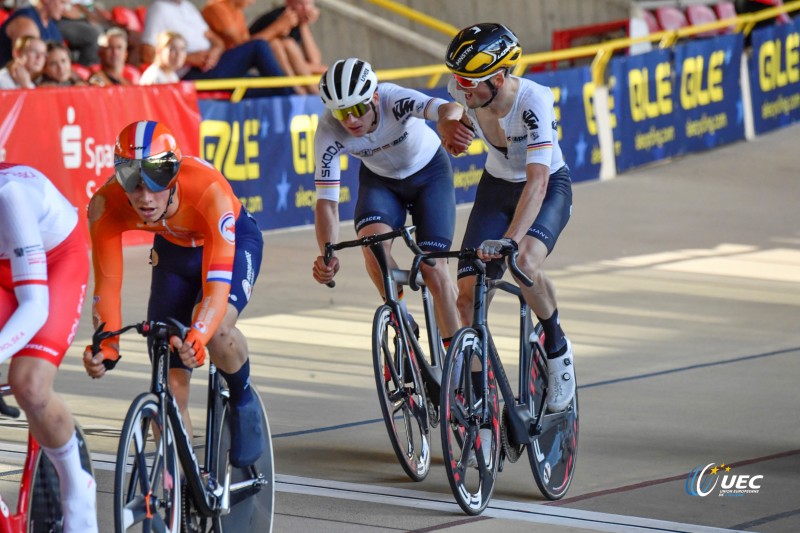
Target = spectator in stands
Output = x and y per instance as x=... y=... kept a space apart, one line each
x=26 y=64
x=113 y=54
x=206 y=54
x=286 y=29
x=170 y=58
x=299 y=44
x=81 y=25
x=58 y=68
x=42 y=13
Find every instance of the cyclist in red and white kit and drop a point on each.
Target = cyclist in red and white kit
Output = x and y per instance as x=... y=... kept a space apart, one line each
x=44 y=268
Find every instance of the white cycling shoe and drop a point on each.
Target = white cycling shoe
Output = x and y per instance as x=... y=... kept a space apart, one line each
x=561 y=389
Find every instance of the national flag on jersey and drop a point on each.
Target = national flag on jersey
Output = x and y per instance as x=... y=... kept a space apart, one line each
x=30 y=266
x=220 y=272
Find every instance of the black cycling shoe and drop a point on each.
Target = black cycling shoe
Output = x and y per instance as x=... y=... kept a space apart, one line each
x=247 y=432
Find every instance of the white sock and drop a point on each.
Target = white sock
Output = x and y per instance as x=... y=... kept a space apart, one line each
x=78 y=488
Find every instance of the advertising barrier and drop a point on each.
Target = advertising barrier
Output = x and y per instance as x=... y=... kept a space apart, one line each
x=774 y=69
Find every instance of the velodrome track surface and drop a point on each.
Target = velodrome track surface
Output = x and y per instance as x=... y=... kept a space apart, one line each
x=679 y=285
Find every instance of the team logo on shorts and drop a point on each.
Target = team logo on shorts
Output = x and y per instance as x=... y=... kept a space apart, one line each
x=248 y=289
x=227 y=227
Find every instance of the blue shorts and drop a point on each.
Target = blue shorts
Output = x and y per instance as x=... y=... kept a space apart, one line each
x=177 y=279
x=495 y=203
x=429 y=195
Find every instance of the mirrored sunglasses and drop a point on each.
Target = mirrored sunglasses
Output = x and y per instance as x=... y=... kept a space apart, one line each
x=471 y=83
x=358 y=110
x=156 y=173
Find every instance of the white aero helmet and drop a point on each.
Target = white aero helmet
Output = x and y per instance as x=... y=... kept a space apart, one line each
x=347 y=83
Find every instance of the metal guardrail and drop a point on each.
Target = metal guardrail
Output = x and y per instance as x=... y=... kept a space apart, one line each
x=602 y=54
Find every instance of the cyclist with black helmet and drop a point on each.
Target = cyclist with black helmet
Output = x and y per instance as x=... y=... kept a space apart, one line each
x=524 y=197
x=206 y=256
x=403 y=170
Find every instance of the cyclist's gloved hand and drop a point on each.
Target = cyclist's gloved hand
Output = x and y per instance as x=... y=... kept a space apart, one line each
x=493 y=249
x=191 y=351
x=97 y=364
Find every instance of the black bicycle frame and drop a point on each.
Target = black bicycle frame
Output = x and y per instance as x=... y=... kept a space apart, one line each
x=209 y=502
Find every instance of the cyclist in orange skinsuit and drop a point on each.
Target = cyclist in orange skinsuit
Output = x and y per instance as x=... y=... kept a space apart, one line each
x=206 y=256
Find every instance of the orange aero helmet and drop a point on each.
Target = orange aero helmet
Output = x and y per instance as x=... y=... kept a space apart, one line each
x=146 y=152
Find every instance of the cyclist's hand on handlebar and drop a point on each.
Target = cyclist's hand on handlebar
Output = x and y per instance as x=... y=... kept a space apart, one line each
x=97 y=364
x=190 y=350
x=324 y=273
x=493 y=249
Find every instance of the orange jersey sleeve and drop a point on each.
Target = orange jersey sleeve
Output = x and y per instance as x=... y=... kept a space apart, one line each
x=206 y=216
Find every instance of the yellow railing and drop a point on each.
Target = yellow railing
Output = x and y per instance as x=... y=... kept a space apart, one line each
x=602 y=54
x=417 y=16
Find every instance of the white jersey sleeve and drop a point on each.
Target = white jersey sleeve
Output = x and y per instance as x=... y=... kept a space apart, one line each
x=20 y=234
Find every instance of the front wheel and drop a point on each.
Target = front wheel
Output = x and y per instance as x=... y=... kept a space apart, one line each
x=553 y=452
x=44 y=506
x=147 y=479
x=470 y=443
x=403 y=401
x=252 y=503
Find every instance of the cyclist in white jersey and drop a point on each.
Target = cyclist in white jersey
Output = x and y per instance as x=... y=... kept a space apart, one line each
x=404 y=169
x=44 y=267
x=524 y=198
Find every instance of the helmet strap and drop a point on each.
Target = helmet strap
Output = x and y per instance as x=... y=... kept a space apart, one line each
x=494 y=93
x=169 y=202
x=374 y=115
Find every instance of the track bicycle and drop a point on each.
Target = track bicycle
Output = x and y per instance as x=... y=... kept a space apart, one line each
x=470 y=403
x=155 y=449
x=407 y=382
x=39 y=503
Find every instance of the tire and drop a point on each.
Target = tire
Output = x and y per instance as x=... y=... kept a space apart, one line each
x=471 y=487
x=403 y=405
x=44 y=505
x=139 y=453
x=251 y=509
x=552 y=454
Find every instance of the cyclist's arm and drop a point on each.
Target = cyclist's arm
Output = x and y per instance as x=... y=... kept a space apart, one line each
x=20 y=230
x=106 y=236
x=530 y=202
x=218 y=215
x=327 y=176
x=326 y=222
x=540 y=134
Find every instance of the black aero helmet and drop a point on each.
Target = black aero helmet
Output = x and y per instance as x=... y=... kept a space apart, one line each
x=482 y=49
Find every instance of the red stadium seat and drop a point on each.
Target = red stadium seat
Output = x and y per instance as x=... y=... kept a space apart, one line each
x=132 y=74
x=141 y=12
x=698 y=14
x=83 y=72
x=650 y=19
x=671 y=18
x=125 y=17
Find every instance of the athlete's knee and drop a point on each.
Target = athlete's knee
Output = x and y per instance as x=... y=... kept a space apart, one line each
x=464 y=305
x=31 y=390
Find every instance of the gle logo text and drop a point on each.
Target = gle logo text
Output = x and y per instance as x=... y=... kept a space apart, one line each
x=702 y=481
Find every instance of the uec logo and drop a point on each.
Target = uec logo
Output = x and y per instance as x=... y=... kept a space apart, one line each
x=702 y=480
